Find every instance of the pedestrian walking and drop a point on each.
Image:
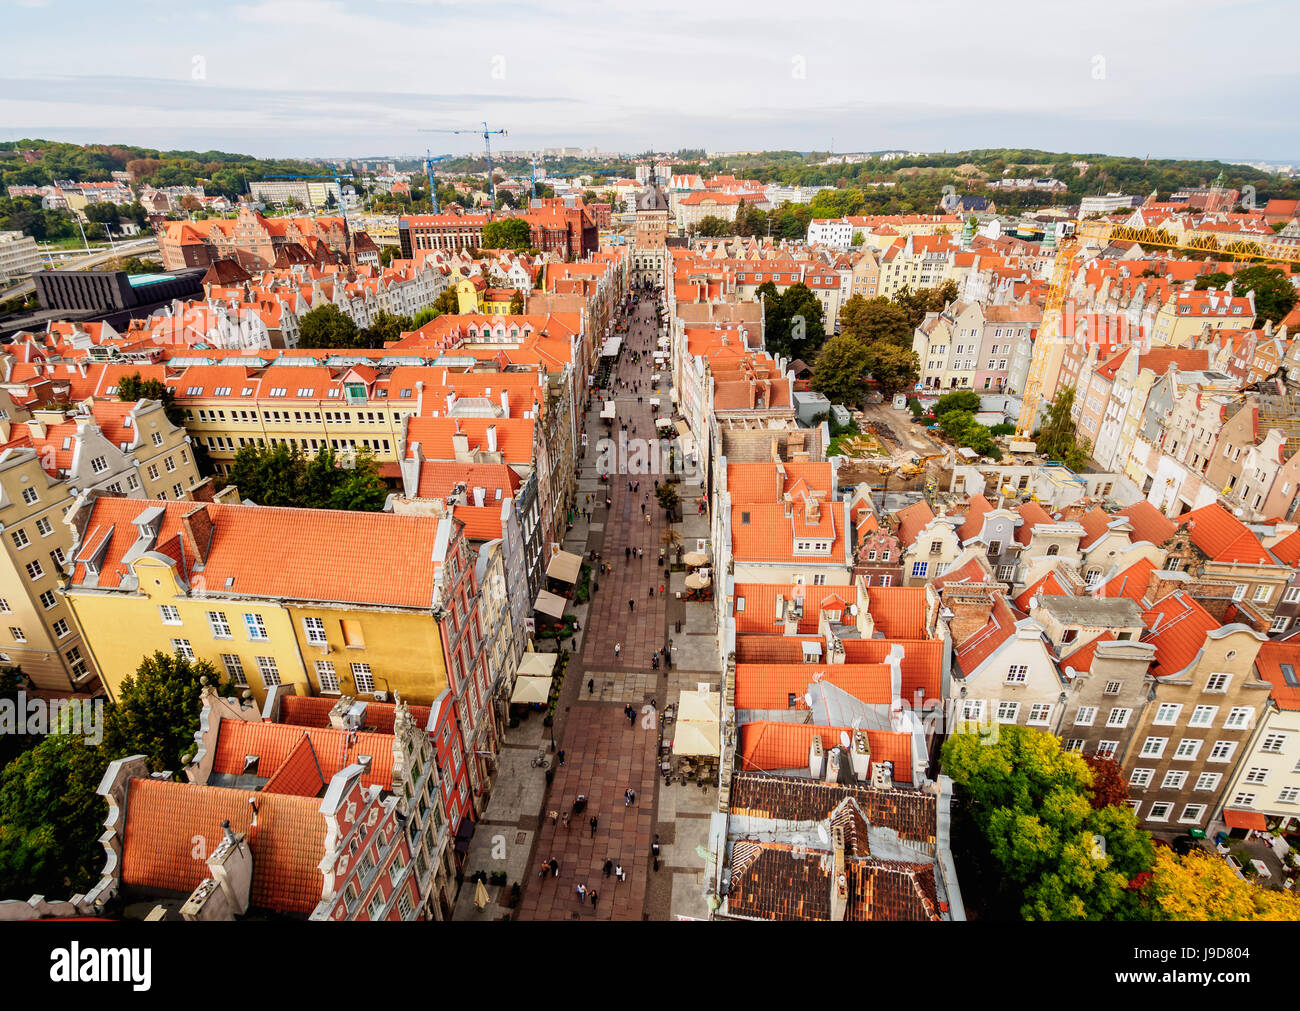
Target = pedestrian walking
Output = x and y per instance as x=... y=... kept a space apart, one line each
x=618 y=648
x=561 y=756
x=627 y=553
x=654 y=705
x=554 y=816
x=594 y=896
x=654 y=847
x=609 y=867
x=555 y=868
x=631 y=605
x=591 y=682
x=582 y=894
x=594 y=821
x=619 y=873
x=565 y=819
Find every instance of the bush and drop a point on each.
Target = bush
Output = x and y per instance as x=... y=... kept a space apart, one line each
x=915 y=407
x=1003 y=429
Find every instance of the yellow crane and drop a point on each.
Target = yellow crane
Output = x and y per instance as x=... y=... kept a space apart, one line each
x=1101 y=232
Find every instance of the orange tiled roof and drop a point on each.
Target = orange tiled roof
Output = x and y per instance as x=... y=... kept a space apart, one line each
x=976 y=509
x=1049 y=585
x=274 y=743
x=164 y=819
x=769 y=686
x=1287 y=550
x=979 y=646
x=1131 y=582
x=771 y=744
x=912 y=520
x=1148 y=523
x=287 y=554
x=1223 y=537
x=1176 y=625
x=1033 y=515
x=1272 y=656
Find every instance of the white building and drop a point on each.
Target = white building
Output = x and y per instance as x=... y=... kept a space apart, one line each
x=19 y=256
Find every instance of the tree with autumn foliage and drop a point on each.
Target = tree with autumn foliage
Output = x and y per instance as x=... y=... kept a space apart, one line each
x=1201 y=886
x=1109 y=787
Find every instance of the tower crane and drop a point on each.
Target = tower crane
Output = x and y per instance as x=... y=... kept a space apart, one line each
x=487 y=147
x=428 y=171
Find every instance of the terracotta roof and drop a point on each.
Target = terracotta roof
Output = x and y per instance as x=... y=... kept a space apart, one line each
x=912 y=520
x=274 y=743
x=777 y=744
x=979 y=646
x=1050 y=584
x=972 y=571
x=1223 y=537
x=921 y=666
x=1176 y=626
x=1287 y=550
x=314 y=711
x=768 y=686
x=1272 y=658
x=1081 y=659
x=165 y=820
x=976 y=509
x=1148 y=523
x=1096 y=524
x=285 y=554
x=1131 y=582
x=1033 y=515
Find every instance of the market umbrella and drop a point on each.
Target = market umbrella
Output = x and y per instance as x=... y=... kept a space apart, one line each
x=695 y=558
x=481 y=898
x=694 y=737
x=696 y=581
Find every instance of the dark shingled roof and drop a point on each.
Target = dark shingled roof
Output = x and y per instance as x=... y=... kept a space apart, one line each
x=910 y=813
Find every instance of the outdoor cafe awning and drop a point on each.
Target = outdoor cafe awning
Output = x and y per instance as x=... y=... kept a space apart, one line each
x=1235 y=817
x=654 y=401
x=610 y=348
x=695 y=581
x=654 y=378
x=664 y=342
x=694 y=737
x=695 y=558
x=664 y=423
x=696 y=708
x=550 y=603
x=609 y=410
x=531 y=689
x=537 y=664
x=564 y=566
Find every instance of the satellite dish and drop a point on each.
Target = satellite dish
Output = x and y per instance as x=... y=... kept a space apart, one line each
x=807 y=699
x=845 y=741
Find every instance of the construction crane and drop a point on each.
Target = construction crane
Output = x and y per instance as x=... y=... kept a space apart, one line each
x=1099 y=233
x=428 y=171
x=487 y=146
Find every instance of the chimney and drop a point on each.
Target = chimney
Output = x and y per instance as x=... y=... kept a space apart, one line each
x=971 y=606
x=839 y=876
x=492 y=438
x=451 y=401
x=197 y=524
x=505 y=404
x=479 y=496
x=860 y=756
x=460 y=446
x=816 y=757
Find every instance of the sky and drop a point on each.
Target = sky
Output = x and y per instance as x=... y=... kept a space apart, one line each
x=336 y=78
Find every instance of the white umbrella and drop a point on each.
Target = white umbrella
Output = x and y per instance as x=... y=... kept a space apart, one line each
x=695 y=558
x=531 y=689
x=695 y=581
x=481 y=898
x=694 y=737
x=694 y=707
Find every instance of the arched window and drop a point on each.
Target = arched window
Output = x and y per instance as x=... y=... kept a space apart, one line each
x=1053 y=549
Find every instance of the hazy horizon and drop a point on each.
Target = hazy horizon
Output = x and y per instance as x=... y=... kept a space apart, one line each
x=343 y=79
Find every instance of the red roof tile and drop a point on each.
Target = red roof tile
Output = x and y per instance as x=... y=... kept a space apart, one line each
x=979 y=646
x=1223 y=537
x=1149 y=523
x=1176 y=626
x=771 y=744
x=165 y=819
x=1269 y=663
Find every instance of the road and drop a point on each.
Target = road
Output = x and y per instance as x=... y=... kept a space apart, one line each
x=133 y=248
